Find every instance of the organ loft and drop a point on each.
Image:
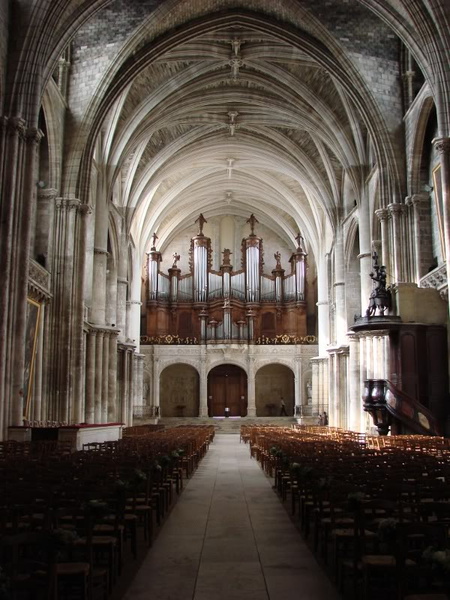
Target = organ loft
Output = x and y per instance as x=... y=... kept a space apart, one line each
x=250 y=299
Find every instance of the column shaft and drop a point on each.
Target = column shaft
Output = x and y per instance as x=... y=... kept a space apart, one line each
x=89 y=416
x=98 y=377
x=105 y=378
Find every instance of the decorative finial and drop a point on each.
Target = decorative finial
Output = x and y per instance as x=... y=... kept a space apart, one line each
x=226 y=256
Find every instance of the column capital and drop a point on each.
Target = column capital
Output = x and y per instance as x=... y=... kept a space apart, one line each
x=85 y=209
x=382 y=213
x=396 y=208
x=15 y=126
x=101 y=251
x=442 y=145
x=33 y=135
x=47 y=193
x=68 y=203
x=422 y=198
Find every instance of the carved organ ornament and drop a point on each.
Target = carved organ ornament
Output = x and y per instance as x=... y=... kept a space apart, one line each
x=245 y=305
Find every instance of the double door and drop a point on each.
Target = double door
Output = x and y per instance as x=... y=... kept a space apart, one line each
x=227 y=388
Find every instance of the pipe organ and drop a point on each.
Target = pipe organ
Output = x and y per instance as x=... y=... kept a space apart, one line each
x=244 y=305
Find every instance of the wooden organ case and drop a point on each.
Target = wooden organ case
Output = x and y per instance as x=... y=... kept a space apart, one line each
x=226 y=306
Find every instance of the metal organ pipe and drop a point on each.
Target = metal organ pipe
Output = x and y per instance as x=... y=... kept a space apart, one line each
x=200 y=271
x=153 y=259
x=252 y=271
x=300 y=278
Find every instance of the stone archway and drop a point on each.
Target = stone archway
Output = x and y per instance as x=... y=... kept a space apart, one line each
x=179 y=391
x=227 y=388
x=272 y=383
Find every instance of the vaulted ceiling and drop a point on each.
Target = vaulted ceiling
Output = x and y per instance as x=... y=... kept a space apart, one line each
x=231 y=123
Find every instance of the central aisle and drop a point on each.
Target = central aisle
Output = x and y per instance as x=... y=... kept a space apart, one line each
x=229 y=537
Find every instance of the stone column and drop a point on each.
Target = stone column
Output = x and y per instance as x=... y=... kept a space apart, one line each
x=333 y=379
x=442 y=146
x=12 y=132
x=365 y=248
x=417 y=201
x=315 y=376
x=125 y=386
x=139 y=380
x=298 y=384
x=132 y=386
x=122 y=287
x=18 y=164
x=37 y=394
x=323 y=318
x=98 y=310
x=90 y=377
x=251 y=398
x=45 y=223
x=156 y=386
x=203 y=383
x=383 y=215
x=63 y=306
x=112 y=379
x=105 y=377
x=78 y=316
x=98 y=376
x=369 y=356
x=396 y=212
x=134 y=321
x=354 y=384
x=362 y=377
x=339 y=288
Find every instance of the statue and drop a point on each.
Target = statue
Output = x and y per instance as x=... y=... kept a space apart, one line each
x=201 y=221
x=176 y=258
x=380 y=298
x=309 y=392
x=253 y=220
x=277 y=257
x=154 y=238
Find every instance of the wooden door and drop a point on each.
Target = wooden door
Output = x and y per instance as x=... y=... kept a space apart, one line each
x=227 y=388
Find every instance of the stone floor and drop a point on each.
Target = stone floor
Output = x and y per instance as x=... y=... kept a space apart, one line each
x=229 y=537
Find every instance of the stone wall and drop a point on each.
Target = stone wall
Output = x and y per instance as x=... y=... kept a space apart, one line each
x=179 y=391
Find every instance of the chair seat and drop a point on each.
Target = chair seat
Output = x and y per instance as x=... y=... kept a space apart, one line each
x=72 y=568
x=384 y=560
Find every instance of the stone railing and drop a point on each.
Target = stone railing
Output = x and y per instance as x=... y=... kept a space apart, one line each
x=38 y=279
x=437 y=278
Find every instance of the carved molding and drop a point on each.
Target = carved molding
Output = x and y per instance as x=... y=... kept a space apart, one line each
x=396 y=209
x=68 y=203
x=437 y=279
x=382 y=214
x=442 y=145
x=39 y=280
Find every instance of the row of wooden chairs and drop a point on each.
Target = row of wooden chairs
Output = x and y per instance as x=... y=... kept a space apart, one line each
x=69 y=521
x=376 y=516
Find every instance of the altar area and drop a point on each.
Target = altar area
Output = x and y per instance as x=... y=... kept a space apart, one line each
x=76 y=435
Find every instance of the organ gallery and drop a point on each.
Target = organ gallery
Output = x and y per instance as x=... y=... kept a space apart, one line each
x=247 y=303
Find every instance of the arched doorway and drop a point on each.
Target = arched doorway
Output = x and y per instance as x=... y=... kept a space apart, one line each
x=272 y=383
x=179 y=391
x=227 y=388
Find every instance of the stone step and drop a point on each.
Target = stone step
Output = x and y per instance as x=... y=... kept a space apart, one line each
x=225 y=424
